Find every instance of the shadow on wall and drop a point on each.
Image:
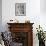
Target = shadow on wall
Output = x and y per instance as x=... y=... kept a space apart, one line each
x=43 y=6
x=0 y=15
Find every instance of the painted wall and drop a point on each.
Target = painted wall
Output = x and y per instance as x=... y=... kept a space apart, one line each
x=43 y=14
x=33 y=13
x=0 y=15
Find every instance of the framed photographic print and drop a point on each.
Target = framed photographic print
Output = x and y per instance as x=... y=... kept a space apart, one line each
x=20 y=9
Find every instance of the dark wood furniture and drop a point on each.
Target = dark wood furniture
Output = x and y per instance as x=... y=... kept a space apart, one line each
x=22 y=33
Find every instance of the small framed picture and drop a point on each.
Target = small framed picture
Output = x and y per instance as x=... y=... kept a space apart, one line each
x=20 y=9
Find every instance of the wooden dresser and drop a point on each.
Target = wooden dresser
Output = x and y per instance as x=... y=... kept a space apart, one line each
x=22 y=33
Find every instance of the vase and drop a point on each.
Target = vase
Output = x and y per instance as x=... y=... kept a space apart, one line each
x=41 y=43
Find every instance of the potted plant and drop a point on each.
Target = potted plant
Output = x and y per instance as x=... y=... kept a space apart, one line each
x=41 y=36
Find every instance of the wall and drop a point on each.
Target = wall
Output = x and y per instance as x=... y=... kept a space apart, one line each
x=43 y=6
x=43 y=14
x=33 y=13
x=0 y=15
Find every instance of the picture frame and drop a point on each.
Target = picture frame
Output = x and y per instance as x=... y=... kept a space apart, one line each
x=20 y=9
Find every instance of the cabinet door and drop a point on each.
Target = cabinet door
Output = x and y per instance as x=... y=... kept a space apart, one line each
x=20 y=37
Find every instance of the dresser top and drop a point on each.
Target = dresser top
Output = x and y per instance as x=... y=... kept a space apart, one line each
x=19 y=23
